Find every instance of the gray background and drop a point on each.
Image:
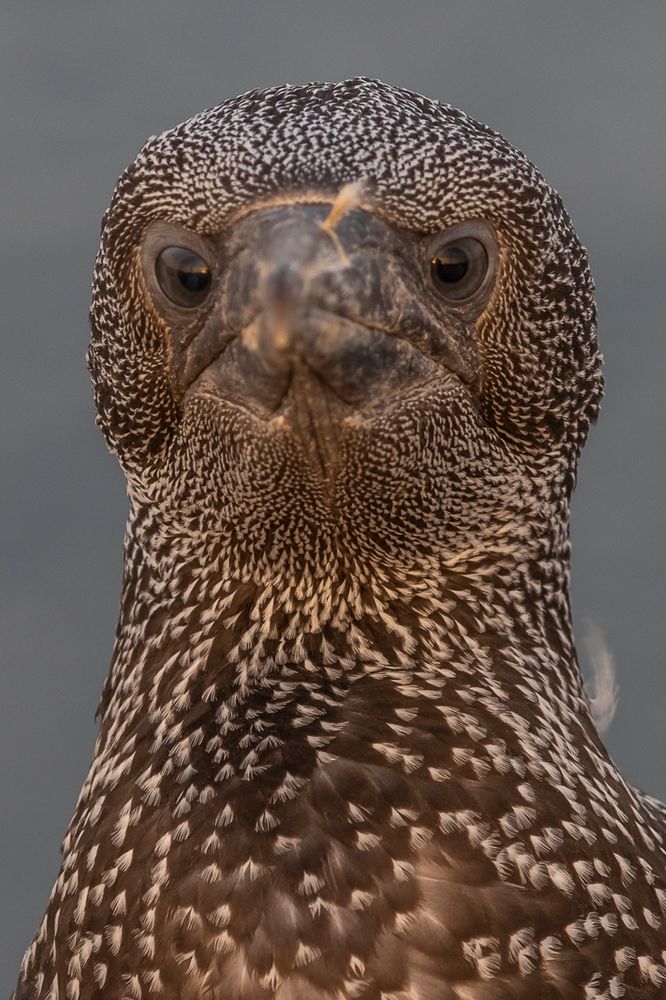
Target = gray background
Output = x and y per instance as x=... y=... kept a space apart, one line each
x=580 y=86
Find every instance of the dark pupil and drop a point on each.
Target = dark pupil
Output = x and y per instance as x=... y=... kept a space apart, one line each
x=183 y=276
x=194 y=280
x=452 y=265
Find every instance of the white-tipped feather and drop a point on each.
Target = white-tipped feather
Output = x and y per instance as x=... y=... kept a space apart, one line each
x=603 y=686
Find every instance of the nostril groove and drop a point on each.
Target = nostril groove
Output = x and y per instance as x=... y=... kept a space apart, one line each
x=281 y=287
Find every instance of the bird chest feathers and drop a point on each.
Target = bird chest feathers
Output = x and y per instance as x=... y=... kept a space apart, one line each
x=344 y=348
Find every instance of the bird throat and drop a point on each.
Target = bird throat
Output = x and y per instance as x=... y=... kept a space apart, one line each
x=314 y=412
x=193 y=647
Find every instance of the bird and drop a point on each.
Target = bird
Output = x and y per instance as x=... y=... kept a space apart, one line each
x=344 y=348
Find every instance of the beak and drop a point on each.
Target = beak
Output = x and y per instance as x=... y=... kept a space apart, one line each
x=338 y=314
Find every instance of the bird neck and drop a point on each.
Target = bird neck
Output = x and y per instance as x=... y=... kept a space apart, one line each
x=192 y=635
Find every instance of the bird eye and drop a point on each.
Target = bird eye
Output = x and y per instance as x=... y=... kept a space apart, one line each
x=183 y=276
x=458 y=268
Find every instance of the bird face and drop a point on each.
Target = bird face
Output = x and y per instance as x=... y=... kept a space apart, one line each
x=342 y=316
x=281 y=314
x=315 y=334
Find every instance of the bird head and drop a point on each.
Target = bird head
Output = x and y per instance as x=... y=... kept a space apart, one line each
x=343 y=316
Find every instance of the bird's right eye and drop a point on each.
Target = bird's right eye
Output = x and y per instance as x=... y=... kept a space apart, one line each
x=183 y=276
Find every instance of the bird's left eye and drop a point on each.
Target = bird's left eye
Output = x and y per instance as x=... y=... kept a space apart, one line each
x=458 y=268
x=463 y=261
x=184 y=276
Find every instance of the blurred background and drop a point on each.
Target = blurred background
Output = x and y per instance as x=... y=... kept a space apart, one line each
x=580 y=87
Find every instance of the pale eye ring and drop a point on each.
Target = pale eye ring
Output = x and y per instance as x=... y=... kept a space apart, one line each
x=183 y=276
x=462 y=262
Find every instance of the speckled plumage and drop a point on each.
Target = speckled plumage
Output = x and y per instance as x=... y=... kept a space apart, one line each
x=345 y=750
